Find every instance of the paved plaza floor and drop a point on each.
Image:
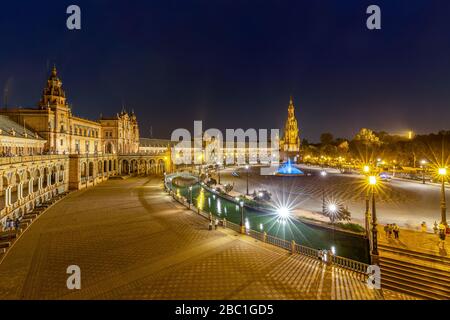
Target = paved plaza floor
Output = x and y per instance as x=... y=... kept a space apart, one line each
x=132 y=241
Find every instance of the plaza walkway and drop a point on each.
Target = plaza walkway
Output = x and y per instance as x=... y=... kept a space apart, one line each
x=132 y=241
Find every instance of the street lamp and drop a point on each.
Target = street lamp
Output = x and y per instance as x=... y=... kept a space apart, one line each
x=246 y=168
x=372 y=181
x=366 y=171
x=200 y=158
x=190 y=196
x=423 y=163
x=241 y=204
x=218 y=170
x=283 y=213
x=443 y=173
x=323 y=173
x=332 y=209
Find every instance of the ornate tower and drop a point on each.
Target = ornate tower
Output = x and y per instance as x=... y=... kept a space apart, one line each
x=290 y=141
x=53 y=100
x=53 y=94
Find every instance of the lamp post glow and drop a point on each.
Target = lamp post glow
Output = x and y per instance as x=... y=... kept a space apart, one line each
x=190 y=196
x=241 y=204
x=218 y=170
x=423 y=163
x=200 y=159
x=366 y=170
x=246 y=168
x=443 y=173
x=323 y=173
x=332 y=210
x=372 y=181
x=283 y=212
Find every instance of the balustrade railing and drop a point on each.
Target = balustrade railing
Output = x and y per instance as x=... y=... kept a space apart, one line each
x=278 y=242
x=306 y=251
x=21 y=159
x=291 y=246
x=350 y=264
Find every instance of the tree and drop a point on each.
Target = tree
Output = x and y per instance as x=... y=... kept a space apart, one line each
x=339 y=213
x=326 y=138
x=368 y=137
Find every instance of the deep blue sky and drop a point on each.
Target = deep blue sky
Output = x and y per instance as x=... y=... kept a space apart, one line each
x=234 y=63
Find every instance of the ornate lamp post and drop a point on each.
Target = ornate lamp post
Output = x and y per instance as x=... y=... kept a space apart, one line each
x=366 y=170
x=323 y=173
x=443 y=173
x=423 y=164
x=332 y=210
x=242 y=225
x=375 y=255
x=218 y=170
x=190 y=196
x=200 y=159
x=246 y=169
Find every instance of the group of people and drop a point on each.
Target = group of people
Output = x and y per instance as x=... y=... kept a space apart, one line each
x=11 y=224
x=390 y=229
x=216 y=224
x=211 y=222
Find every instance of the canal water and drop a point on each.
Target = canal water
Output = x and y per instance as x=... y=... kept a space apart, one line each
x=346 y=244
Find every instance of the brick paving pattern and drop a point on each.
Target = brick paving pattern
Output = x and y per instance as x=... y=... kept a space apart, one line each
x=132 y=241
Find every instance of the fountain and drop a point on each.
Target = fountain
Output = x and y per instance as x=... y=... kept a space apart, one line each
x=287 y=169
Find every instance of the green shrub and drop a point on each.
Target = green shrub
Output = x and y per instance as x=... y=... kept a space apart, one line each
x=351 y=227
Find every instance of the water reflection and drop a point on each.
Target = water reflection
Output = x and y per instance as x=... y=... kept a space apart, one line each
x=219 y=207
x=201 y=199
x=273 y=224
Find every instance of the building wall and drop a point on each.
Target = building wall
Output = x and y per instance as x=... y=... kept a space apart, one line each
x=66 y=133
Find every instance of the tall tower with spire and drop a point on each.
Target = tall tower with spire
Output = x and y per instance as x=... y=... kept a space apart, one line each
x=291 y=140
x=53 y=95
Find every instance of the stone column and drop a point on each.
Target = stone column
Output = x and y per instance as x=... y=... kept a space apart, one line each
x=8 y=190
x=20 y=191
x=30 y=186
x=7 y=197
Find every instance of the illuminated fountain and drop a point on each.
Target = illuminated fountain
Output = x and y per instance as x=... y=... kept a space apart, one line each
x=287 y=169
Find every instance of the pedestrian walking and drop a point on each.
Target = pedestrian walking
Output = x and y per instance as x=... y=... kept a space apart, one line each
x=423 y=226
x=396 y=230
x=216 y=224
x=386 y=230
x=210 y=225
x=16 y=224
x=390 y=229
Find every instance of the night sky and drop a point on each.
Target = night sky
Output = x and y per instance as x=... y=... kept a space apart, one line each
x=234 y=64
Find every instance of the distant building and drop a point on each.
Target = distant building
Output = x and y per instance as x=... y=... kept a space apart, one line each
x=290 y=143
x=18 y=140
x=65 y=133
